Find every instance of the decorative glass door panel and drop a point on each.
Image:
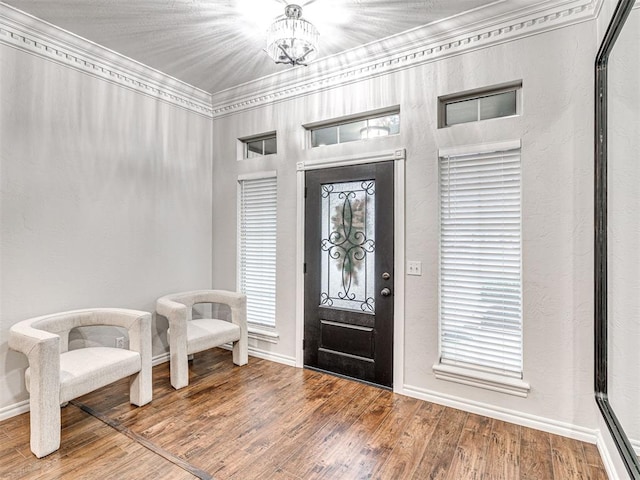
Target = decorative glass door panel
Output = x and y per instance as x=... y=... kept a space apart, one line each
x=348 y=245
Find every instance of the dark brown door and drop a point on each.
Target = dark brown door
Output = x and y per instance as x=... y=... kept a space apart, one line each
x=348 y=324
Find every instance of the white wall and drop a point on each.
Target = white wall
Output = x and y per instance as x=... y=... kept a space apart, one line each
x=105 y=199
x=624 y=227
x=556 y=129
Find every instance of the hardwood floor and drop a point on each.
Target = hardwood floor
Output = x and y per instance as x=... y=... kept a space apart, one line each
x=269 y=421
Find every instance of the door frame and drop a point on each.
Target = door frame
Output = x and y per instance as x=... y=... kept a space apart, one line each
x=398 y=157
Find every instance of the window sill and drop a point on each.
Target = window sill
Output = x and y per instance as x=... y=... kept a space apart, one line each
x=258 y=333
x=486 y=380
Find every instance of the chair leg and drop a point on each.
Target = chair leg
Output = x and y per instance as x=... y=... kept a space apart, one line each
x=179 y=367
x=240 y=352
x=45 y=425
x=141 y=388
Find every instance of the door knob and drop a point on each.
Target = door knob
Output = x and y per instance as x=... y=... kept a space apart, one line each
x=385 y=292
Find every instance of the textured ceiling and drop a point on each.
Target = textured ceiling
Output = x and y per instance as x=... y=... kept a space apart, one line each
x=217 y=44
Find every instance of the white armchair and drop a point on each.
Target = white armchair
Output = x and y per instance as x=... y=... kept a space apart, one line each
x=57 y=374
x=188 y=336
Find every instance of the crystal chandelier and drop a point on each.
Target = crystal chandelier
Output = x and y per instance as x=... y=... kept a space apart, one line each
x=292 y=40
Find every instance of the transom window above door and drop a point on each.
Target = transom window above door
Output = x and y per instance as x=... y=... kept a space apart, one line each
x=380 y=123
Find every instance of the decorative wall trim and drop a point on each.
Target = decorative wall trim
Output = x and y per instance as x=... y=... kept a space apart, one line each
x=399 y=278
x=526 y=420
x=497 y=23
x=14 y=410
x=27 y=33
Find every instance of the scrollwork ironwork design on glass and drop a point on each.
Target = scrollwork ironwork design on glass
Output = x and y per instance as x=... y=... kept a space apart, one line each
x=325 y=299
x=347 y=242
x=368 y=305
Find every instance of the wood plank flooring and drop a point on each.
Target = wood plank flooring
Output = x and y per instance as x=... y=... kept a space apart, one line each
x=269 y=421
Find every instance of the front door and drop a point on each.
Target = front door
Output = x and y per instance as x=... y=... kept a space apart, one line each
x=348 y=314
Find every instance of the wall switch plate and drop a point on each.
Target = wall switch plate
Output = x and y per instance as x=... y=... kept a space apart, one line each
x=120 y=342
x=414 y=268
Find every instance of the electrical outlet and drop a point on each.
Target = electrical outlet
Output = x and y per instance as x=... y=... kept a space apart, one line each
x=119 y=342
x=414 y=268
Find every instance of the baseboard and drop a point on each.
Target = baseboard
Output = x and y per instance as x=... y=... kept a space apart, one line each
x=265 y=355
x=607 y=461
x=531 y=421
x=158 y=359
x=14 y=410
x=274 y=357
x=254 y=352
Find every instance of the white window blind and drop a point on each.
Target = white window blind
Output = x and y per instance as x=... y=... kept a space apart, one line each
x=258 y=248
x=480 y=261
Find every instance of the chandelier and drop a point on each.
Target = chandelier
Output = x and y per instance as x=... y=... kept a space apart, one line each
x=292 y=40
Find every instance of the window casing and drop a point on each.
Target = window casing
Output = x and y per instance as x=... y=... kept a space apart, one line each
x=257 y=246
x=480 y=261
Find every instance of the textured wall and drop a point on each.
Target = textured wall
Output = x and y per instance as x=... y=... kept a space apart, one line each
x=556 y=129
x=105 y=200
x=624 y=227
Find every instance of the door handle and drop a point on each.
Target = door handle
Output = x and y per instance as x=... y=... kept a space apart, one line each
x=385 y=292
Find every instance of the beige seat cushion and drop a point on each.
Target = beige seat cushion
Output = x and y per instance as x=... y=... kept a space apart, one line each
x=204 y=333
x=87 y=369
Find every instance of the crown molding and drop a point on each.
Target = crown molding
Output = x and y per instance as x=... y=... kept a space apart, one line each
x=500 y=22
x=30 y=34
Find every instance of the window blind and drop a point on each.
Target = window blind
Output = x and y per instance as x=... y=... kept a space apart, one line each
x=258 y=248
x=480 y=261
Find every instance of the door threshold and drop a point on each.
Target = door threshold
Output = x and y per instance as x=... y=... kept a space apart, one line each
x=347 y=377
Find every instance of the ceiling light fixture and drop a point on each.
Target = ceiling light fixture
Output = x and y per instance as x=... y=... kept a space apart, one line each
x=291 y=39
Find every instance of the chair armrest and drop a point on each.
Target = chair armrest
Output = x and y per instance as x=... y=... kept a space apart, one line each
x=115 y=317
x=43 y=354
x=25 y=335
x=170 y=308
x=177 y=307
x=238 y=304
x=139 y=330
x=24 y=338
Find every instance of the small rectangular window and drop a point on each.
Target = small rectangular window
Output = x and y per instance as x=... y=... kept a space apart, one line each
x=355 y=128
x=479 y=105
x=259 y=146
